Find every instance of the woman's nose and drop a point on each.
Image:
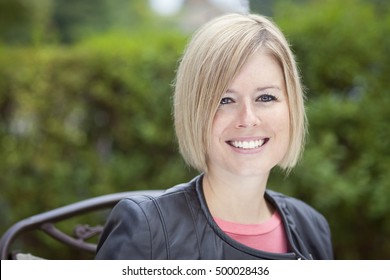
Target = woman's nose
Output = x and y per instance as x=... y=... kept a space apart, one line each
x=248 y=116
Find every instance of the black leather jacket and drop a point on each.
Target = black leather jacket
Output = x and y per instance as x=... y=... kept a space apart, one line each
x=178 y=225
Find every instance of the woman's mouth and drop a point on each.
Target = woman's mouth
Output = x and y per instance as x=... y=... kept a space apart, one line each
x=248 y=145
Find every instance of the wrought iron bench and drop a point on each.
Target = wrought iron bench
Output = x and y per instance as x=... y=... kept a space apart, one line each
x=46 y=222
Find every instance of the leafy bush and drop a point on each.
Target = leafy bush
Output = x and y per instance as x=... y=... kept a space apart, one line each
x=342 y=48
x=86 y=120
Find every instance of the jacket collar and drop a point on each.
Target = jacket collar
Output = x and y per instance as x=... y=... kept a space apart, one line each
x=278 y=202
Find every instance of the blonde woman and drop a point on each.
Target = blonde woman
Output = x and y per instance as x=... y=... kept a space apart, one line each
x=239 y=112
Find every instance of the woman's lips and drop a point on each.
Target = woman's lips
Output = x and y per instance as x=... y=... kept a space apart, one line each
x=248 y=144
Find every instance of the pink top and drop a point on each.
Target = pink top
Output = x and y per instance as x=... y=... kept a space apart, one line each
x=268 y=236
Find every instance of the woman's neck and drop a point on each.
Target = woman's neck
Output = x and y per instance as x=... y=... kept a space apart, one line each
x=236 y=198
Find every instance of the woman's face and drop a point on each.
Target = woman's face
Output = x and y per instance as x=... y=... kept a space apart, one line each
x=250 y=133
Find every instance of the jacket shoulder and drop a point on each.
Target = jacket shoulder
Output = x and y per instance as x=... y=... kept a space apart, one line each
x=295 y=206
x=126 y=234
x=142 y=226
x=307 y=225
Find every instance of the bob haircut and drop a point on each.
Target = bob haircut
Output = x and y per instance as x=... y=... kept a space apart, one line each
x=212 y=59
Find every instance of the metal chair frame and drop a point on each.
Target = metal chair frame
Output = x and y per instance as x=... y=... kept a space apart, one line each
x=46 y=222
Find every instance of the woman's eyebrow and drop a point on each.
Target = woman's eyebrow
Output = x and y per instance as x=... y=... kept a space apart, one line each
x=257 y=89
x=268 y=87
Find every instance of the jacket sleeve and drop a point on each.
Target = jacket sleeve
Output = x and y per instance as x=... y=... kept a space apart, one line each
x=126 y=234
x=325 y=238
x=312 y=229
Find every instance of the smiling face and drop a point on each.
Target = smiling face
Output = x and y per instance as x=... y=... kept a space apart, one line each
x=250 y=131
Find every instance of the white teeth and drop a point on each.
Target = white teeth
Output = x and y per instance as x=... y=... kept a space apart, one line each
x=247 y=144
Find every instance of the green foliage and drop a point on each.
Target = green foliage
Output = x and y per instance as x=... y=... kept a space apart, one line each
x=86 y=120
x=342 y=48
x=68 y=21
x=339 y=33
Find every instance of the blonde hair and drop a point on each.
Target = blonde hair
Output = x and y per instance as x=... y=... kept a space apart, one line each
x=213 y=57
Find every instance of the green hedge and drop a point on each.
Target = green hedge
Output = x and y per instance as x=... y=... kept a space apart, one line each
x=86 y=120
x=95 y=118
x=343 y=51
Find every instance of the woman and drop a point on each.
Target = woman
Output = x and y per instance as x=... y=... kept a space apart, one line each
x=239 y=112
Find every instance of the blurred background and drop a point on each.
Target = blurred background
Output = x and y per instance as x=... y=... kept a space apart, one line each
x=85 y=106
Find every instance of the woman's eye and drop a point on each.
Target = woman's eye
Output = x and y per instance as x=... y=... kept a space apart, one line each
x=226 y=100
x=266 y=98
